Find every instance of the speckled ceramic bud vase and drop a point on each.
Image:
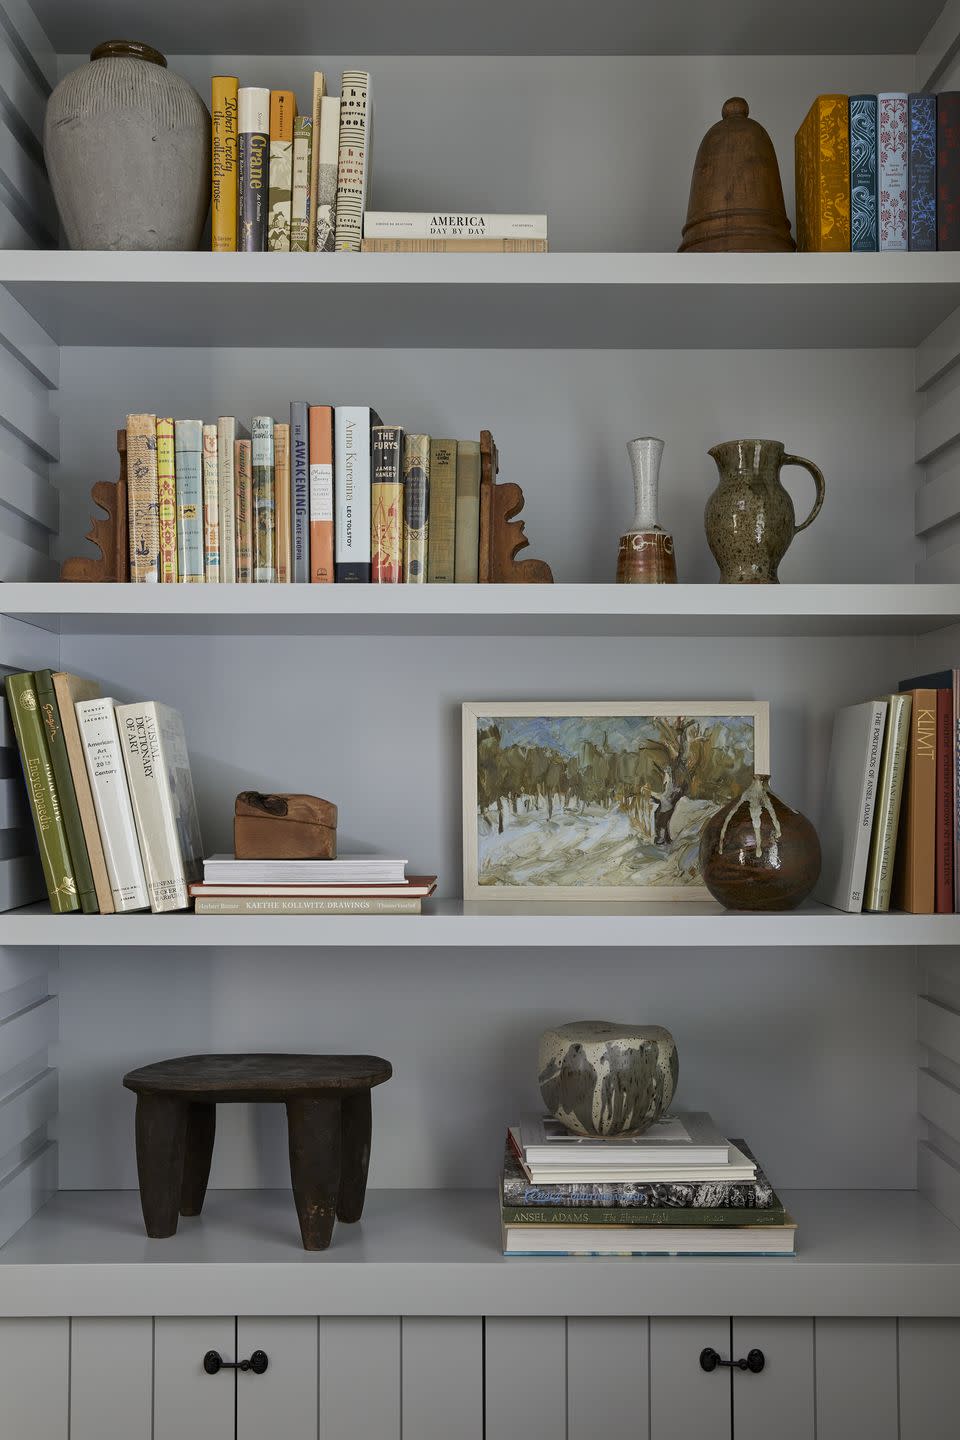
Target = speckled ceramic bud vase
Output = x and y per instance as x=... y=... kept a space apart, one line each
x=598 y=1078
x=127 y=148
x=759 y=854
x=646 y=555
x=749 y=518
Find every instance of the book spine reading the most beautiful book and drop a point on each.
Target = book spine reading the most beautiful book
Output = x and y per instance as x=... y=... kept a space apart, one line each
x=946 y=745
x=416 y=507
x=454 y=247
x=211 y=505
x=253 y=107
x=161 y=795
x=914 y=865
x=886 y=820
x=320 y=435
x=167 y=500
x=283 y=109
x=948 y=170
x=386 y=505
x=300 y=192
x=352 y=492
x=251 y=905
x=414 y=225
x=327 y=168
x=111 y=797
x=188 y=442
x=143 y=502
x=243 y=471
x=281 y=500
x=261 y=439
x=58 y=869
x=223 y=114
x=466 y=562
x=863 y=172
x=442 y=534
x=66 y=792
x=300 y=490
x=922 y=172
x=892 y=156
x=226 y=490
x=822 y=159
x=355 y=127
x=318 y=91
x=69 y=689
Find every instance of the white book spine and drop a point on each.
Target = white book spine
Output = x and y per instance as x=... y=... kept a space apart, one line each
x=226 y=434
x=351 y=491
x=892 y=148
x=871 y=773
x=446 y=225
x=111 y=801
x=155 y=757
x=354 y=158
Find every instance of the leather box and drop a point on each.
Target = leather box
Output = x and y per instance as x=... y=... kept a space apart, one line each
x=284 y=827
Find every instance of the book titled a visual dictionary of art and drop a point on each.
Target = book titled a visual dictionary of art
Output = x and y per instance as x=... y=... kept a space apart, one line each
x=849 y=802
x=164 y=807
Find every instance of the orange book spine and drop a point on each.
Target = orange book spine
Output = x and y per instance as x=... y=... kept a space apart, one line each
x=320 y=433
x=822 y=161
x=915 y=863
x=243 y=470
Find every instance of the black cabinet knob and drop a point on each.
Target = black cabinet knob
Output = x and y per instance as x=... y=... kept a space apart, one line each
x=754 y=1361
x=213 y=1363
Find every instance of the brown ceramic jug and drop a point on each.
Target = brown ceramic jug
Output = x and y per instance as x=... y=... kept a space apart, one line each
x=749 y=518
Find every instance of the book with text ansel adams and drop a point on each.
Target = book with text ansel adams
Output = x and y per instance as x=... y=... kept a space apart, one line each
x=164 y=806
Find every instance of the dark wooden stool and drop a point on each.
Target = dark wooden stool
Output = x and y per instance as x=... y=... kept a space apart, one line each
x=328 y=1120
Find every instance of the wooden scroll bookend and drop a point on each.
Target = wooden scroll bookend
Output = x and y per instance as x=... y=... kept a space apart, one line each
x=109 y=535
x=501 y=535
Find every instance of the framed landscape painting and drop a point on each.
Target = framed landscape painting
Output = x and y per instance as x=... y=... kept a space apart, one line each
x=600 y=801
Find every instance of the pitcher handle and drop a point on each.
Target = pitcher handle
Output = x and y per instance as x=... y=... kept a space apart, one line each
x=818 y=480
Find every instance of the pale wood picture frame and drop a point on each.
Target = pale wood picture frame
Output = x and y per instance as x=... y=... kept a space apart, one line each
x=756 y=711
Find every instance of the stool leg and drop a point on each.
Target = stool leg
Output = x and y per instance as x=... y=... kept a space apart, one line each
x=355 y=1160
x=201 y=1129
x=314 y=1133
x=161 y=1141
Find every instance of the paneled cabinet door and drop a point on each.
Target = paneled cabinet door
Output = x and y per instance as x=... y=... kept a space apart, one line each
x=280 y=1403
x=779 y=1399
x=685 y=1400
x=186 y=1400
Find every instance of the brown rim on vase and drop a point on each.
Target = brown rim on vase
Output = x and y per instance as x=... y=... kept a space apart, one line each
x=128 y=49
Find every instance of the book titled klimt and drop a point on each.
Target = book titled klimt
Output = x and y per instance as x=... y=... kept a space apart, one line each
x=164 y=807
x=352 y=475
x=111 y=798
x=849 y=802
x=947 y=685
x=48 y=821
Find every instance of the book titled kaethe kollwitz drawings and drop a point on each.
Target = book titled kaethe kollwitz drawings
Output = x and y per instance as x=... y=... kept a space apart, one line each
x=161 y=790
x=111 y=799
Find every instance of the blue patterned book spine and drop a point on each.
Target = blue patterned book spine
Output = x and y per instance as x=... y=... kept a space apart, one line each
x=188 y=451
x=863 y=172
x=922 y=172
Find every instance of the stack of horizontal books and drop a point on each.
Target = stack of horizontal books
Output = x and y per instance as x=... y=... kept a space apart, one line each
x=352 y=885
x=679 y=1189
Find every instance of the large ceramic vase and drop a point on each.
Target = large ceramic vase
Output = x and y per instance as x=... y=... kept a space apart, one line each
x=759 y=854
x=599 y=1079
x=749 y=517
x=646 y=555
x=127 y=147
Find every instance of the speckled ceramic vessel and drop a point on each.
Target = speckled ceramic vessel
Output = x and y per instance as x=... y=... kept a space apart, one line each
x=599 y=1078
x=759 y=854
x=749 y=518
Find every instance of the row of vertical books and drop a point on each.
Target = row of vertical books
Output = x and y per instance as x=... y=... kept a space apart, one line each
x=333 y=494
x=288 y=181
x=892 y=801
x=879 y=172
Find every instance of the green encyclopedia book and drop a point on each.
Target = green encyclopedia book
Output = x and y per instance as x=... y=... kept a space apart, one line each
x=42 y=792
x=66 y=793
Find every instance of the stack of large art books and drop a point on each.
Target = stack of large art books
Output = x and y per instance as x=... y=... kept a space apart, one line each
x=350 y=885
x=679 y=1189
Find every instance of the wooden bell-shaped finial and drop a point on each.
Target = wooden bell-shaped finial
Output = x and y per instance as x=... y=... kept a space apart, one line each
x=736 y=198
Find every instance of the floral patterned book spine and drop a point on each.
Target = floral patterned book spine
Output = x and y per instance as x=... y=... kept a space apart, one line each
x=822 y=155
x=892 y=170
x=167 y=491
x=922 y=172
x=948 y=170
x=863 y=172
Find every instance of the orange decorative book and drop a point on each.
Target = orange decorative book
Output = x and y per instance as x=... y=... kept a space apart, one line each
x=320 y=448
x=822 y=154
x=915 y=862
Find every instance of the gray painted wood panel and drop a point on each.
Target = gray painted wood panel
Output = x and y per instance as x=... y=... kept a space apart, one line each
x=442 y=1382
x=186 y=1400
x=608 y=1377
x=281 y=1404
x=525 y=1378
x=856 y=1378
x=685 y=1401
x=360 y=1378
x=34 y=1379
x=929 y=1379
x=111 y=1378
x=780 y=1400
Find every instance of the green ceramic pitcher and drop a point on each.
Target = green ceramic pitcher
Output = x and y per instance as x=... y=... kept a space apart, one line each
x=749 y=518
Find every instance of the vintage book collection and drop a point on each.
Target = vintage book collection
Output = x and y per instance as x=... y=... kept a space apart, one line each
x=652 y=800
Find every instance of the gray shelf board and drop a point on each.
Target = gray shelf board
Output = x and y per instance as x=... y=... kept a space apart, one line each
x=556 y=301
x=506 y=925
x=537 y=27
x=437 y=1252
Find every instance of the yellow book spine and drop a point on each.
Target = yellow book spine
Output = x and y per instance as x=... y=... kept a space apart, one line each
x=224 y=167
x=167 y=490
x=822 y=158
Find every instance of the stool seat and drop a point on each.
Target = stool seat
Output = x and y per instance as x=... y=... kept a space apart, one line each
x=327 y=1099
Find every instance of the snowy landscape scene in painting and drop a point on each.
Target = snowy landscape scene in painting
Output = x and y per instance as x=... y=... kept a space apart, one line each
x=603 y=800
